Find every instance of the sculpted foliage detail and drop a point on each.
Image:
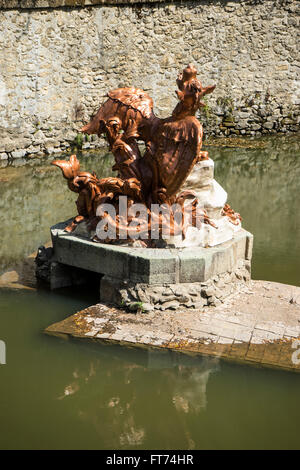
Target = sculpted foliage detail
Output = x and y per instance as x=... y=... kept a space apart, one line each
x=173 y=147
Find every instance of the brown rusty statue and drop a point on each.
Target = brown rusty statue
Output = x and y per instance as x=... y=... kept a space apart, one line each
x=173 y=147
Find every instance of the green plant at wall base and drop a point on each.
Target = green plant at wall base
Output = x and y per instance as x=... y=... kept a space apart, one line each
x=87 y=138
x=78 y=141
x=136 y=306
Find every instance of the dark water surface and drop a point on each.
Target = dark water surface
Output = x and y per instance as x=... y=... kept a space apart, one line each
x=57 y=394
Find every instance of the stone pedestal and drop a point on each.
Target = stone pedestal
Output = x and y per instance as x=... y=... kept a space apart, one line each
x=157 y=278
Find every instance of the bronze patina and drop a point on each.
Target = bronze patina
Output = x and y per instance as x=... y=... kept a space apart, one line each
x=172 y=148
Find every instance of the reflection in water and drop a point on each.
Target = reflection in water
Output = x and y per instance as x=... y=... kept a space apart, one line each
x=182 y=383
x=190 y=392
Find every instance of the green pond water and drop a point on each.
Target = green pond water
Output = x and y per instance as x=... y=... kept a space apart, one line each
x=56 y=394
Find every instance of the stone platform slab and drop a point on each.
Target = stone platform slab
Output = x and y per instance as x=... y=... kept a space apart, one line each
x=150 y=265
x=158 y=278
x=259 y=325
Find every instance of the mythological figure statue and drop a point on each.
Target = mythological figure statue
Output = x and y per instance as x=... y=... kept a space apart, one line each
x=173 y=147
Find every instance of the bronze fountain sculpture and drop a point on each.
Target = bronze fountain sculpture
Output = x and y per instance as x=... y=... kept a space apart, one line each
x=173 y=148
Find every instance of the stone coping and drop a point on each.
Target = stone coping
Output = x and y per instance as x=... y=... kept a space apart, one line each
x=150 y=265
x=259 y=325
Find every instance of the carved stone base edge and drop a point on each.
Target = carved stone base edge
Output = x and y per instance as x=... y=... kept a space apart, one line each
x=135 y=296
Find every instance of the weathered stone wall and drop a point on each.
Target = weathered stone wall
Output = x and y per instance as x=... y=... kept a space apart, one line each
x=57 y=62
x=132 y=295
